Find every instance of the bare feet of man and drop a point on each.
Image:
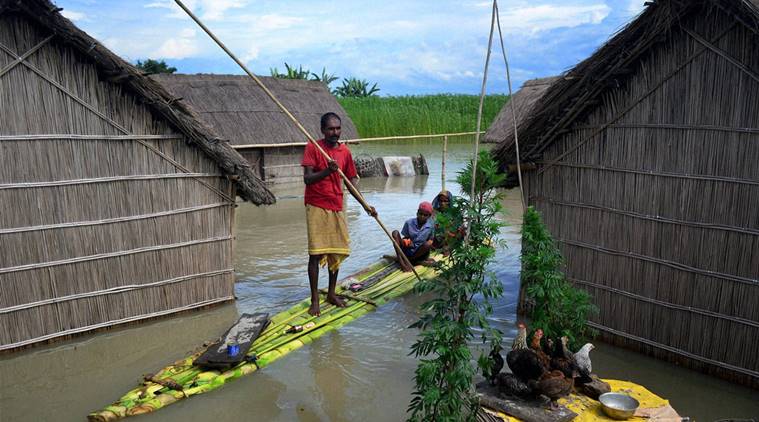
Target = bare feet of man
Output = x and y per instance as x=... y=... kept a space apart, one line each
x=333 y=299
x=314 y=309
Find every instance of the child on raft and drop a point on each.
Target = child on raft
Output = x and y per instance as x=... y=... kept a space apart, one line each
x=416 y=238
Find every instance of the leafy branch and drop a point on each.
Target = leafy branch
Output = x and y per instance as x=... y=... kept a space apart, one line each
x=463 y=295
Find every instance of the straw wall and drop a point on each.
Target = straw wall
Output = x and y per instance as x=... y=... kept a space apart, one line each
x=98 y=229
x=657 y=215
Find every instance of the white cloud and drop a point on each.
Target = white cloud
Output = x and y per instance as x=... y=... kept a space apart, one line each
x=180 y=47
x=74 y=16
x=635 y=6
x=251 y=54
x=206 y=9
x=546 y=17
x=273 y=22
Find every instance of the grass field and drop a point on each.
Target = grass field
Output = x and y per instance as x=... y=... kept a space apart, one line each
x=420 y=115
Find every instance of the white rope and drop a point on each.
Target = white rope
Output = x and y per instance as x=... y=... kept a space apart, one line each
x=513 y=110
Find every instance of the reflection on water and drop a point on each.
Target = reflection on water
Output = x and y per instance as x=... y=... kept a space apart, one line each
x=361 y=372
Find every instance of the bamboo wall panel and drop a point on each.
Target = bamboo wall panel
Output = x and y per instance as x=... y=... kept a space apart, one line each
x=55 y=263
x=634 y=267
x=696 y=334
x=66 y=243
x=62 y=204
x=46 y=320
x=35 y=285
x=692 y=200
x=730 y=253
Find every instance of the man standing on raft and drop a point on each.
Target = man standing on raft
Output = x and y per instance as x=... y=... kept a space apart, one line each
x=328 y=241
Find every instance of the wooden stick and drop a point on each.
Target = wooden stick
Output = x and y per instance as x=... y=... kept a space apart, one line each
x=513 y=111
x=445 y=153
x=355 y=141
x=326 y=156
x=482 y=103
x=351 y=296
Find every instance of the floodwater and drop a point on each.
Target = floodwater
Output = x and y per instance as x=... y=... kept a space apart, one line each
x=361 y=372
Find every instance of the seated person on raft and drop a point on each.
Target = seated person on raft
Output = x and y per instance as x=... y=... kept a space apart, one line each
x=441 y=239
x=416 y=237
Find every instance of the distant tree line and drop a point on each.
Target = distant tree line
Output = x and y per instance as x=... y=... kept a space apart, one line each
x=151 y=67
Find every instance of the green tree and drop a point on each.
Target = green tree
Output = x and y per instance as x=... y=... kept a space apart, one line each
x=462 y=301
x=291 y=72
x=325 y=78
x=151 y=66
x=552 y=303
x=354 y=87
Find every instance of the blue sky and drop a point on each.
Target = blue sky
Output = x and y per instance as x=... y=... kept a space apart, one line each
x=408 y=47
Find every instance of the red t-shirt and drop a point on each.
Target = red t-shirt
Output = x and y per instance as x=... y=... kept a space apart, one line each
x=328 y=192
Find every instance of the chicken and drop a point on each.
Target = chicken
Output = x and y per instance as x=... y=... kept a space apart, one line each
x=497 y=359
x=511 y=385
x=582 y=359
x=548 y=346
x=562 y=359
x=524 y=362
x=554 y=385
x=535 y=345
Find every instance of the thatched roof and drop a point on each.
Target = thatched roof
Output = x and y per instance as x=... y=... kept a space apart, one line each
x=570 y=99
x=523 y=102
x=239 y=110
x=115 y=70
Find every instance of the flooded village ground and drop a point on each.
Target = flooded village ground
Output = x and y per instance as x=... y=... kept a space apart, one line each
x=361 y=372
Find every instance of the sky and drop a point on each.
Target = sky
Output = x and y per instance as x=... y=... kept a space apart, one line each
x=407 y=47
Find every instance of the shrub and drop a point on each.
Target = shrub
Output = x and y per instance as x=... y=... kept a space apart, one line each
x=462 y=301
x=552 y=303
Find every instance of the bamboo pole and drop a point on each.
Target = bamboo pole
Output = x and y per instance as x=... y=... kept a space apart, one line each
x=482 y=101
x=445 y=154
x=513 y=109
x=326 y=156
x=354 y=141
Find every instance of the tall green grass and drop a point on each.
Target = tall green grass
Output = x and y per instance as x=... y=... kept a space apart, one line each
x=420 y=115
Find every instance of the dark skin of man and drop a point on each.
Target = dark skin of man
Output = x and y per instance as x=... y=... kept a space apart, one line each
x=331 y=132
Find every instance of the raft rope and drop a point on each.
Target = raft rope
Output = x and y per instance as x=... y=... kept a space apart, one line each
x=513 y=107
x=482 y=101
x=495 y=19
x=326 y=156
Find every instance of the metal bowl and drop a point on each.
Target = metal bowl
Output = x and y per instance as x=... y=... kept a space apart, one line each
x=618 y=405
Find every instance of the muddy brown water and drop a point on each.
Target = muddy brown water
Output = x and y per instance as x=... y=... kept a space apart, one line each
x=361 y=372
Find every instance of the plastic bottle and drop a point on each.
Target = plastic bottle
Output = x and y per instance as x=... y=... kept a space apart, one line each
x=299 y=328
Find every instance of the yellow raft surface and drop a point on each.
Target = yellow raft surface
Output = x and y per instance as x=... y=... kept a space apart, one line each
x=652 y=407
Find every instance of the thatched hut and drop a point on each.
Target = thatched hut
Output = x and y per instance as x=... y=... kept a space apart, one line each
x=239 y=110
x=116 y=203
x=646 y=174
x=523 y=103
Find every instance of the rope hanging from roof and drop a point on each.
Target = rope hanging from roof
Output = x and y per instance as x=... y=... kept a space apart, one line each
x=495 y=19
x=513 y=108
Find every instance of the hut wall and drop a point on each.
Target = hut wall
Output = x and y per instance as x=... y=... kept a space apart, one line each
x=657 y=214
x=282 y=165
x=99 y=230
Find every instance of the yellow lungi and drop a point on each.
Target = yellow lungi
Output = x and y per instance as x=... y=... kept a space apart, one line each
x=327 y=236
